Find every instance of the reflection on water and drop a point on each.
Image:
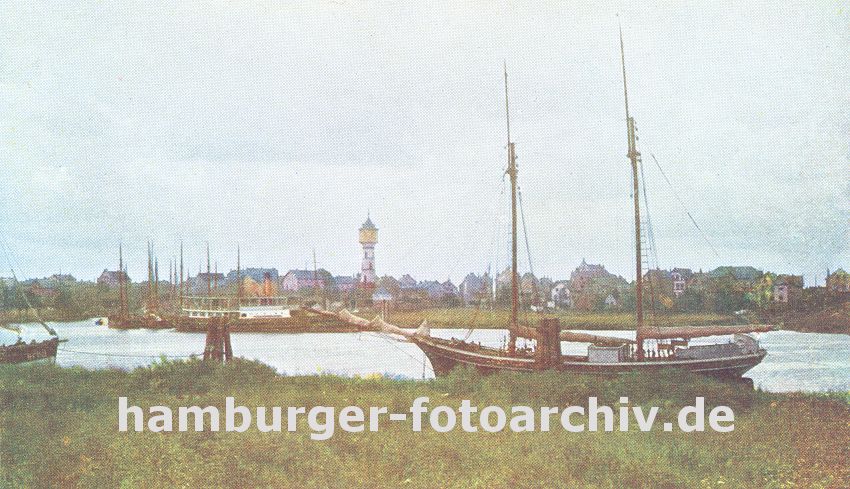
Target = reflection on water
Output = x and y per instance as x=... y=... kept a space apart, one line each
x=796 y=361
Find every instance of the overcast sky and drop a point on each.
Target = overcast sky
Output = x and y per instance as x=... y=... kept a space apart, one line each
x=280 y=127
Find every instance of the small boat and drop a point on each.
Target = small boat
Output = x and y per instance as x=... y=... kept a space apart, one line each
x=22 y=351
x=34 y=350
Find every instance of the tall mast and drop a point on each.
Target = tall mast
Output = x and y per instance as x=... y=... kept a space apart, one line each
x=209 y=278
x=122 y=285
x=315 y=275
x=176 y=282
x=238 y=275
x=149 y=288
x=156 y=285
x=634 y=157
x=171 y=279
x=512 y=173
x=181 y=277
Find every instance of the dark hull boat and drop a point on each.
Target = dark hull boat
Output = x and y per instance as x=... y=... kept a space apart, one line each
x=23 y=352
x=445 y=355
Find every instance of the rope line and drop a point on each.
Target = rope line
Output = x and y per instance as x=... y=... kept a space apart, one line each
x=124 y=355
x=682 y=202
x=392 y=340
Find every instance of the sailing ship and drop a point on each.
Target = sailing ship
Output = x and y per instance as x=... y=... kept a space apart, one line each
x=34 y=350
x=151 y=318
x=654 y=347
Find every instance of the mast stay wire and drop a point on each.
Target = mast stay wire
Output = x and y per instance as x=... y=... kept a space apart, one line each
x=650 y=242
x=682 y=202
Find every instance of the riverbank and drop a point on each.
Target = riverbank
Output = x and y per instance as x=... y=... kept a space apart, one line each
x=59 y=430
x=499 y=319
x=830 y=319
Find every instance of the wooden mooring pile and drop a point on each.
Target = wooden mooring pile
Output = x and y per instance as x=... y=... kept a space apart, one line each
x=218 y=347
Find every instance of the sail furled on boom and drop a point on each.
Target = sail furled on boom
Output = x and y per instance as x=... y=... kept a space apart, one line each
x=688 y=332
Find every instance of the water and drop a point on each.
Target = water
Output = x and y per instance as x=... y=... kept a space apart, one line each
x=810 y=362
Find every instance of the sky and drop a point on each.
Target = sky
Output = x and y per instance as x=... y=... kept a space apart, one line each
x=278 y=128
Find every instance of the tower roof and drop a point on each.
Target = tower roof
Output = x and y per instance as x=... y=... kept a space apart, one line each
x=368 y=224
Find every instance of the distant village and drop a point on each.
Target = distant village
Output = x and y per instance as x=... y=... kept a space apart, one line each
x=590 y=287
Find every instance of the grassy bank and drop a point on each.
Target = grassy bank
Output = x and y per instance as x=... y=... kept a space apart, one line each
x=500 y=318
x=58 y=428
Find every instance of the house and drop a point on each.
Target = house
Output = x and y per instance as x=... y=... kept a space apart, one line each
x=433 y=289
x=838 y=281
x=544 y=286
x=698 y=281
x=345 y=284
x=406 y=282
x=503 y=279
x=680 y=278
x=788 y=289
x=528 y=285
x=111 y=278
x=610 y=301
x=449 y=288
x=472 y=289
x=296 y=280
x=561 y=295
x=585 y=274
x=204 y=280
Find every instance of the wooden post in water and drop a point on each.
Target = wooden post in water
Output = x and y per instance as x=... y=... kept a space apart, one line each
x=225 y=335
x=217 y=346
x=548 y=352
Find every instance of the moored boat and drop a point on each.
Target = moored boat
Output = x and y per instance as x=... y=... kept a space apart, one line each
x=22 y=352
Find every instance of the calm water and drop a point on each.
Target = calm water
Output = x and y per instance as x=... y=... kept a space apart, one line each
x=795 y=361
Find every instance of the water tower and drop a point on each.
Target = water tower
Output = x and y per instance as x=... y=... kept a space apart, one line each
x=368 y=238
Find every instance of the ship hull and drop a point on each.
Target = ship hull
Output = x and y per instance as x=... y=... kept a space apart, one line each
x=445 y=356
x=29 y=352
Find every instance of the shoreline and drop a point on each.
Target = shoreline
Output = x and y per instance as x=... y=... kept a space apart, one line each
x=464 y=318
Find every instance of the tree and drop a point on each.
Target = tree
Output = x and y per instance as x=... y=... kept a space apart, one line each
x=691 y=300
x=761 y=293
x=728 y=296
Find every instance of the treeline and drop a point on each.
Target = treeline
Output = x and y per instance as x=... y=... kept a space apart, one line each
x=68 y=301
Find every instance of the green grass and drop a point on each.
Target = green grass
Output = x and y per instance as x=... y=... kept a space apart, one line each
x=500 y=318
x=58 y=428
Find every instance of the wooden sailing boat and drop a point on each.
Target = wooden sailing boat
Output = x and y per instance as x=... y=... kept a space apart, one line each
x=22 y=352
x=34 y=350
x=654 y=348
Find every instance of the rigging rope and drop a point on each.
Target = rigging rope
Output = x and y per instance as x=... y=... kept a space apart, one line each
x=391 y=341
x=23 y=293
x=682 y=202
x=125 y=355
x=650 y=242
